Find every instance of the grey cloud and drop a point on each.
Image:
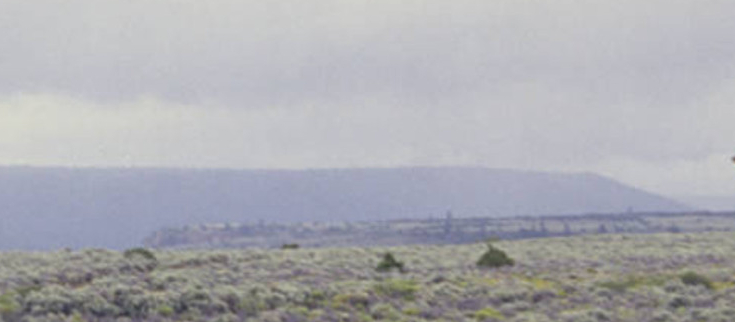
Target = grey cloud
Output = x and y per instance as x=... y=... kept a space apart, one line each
x=567 y=84
x=262 y=53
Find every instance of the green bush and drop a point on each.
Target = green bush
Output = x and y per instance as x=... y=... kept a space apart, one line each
x=494 y=257
x=692 y=278
x=290 y=246
x=389 y=263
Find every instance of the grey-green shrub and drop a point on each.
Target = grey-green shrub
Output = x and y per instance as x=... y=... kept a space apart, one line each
x=139 y=251
x=142 y=259
x=395 y=288
x=133 y=301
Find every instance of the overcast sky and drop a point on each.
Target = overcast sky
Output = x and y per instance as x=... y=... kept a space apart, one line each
x=642 y=91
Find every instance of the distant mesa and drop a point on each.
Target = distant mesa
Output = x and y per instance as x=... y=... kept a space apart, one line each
x=52 y=208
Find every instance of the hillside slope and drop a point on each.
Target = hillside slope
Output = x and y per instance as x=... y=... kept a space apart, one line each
x=57 y=207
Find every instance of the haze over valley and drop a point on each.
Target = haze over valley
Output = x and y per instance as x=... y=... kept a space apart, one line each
x=52 y=208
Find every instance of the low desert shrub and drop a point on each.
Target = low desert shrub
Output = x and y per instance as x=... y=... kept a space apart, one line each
x=395 y=288
x=200 y=300
x=95 y=304
x=144 y=258
x=52 y=299
x=633 y=281
x=487 y=314
x=314 y=299
x=679 y=301
x=252 y=305
x=139 y=251
x=384 y=311
x=692 y=278
x=494 y=257
x=618 y=286
x=165 y=310
x=23 y=291
x=133 y=301
x=350 y=301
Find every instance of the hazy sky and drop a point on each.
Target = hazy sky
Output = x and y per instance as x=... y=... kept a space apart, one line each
x=643 y=91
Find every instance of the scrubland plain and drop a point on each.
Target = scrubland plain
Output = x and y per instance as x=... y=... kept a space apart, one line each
x=648 y=278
